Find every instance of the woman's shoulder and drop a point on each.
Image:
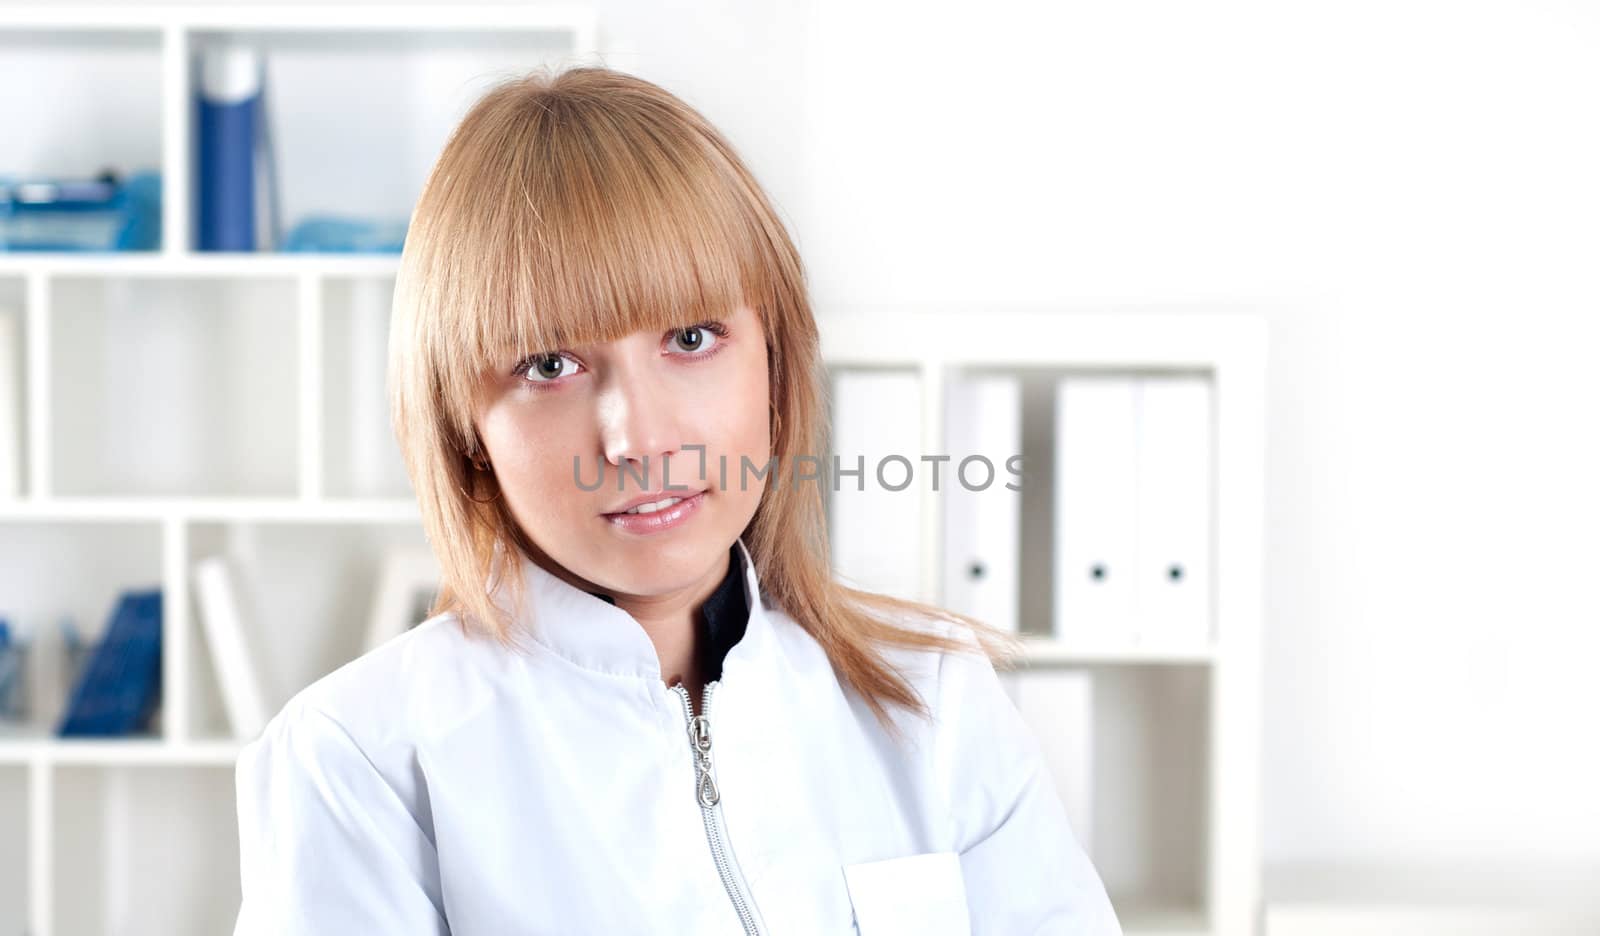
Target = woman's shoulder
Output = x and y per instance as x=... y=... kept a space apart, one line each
x=399 y=692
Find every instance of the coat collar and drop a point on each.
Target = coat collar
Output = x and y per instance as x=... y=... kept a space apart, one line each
x=592 y=633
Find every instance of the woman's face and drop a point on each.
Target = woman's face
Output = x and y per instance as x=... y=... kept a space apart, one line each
x=643 y=403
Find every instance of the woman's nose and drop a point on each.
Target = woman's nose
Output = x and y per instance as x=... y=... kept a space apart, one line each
x=639 y=423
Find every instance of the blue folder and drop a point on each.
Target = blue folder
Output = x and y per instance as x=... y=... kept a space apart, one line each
x=121 y=684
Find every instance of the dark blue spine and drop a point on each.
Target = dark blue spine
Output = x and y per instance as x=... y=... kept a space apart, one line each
x=227 y=137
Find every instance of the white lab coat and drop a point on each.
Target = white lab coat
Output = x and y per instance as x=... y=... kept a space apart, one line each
x=441 y=784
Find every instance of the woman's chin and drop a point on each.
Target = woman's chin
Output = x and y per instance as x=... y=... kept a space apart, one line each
x=662 y=567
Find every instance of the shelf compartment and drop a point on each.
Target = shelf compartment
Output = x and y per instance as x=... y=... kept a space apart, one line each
x=1126 y=748
x=93 y=102
x=53 y=570
x=335 y=153
x=165 y=386
x=144 y=849
x=13 y=388
x=305 y=592
x=361 y=458
x=14 y=838
x=1151 y=835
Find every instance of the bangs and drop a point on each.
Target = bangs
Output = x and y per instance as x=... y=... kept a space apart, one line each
x=564 y=220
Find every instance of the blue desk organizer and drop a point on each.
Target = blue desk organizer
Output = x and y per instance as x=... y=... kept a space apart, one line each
x=99 y=214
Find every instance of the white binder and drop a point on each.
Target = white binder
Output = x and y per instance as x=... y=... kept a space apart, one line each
x=982 y=516
x=224 y=626
x=1173 y=588
x=1096 y=507
x=873 y=531
x=1058 y=707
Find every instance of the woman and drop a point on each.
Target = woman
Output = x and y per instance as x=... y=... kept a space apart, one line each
x=666 y=718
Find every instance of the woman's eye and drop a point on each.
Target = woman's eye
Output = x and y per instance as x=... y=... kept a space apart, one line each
x=546 y=367
x=696 y=339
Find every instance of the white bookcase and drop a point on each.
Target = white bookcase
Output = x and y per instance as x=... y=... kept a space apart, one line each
x=1176 y=810
x=179 y=404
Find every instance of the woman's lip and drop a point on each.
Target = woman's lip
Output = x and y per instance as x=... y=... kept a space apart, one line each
x=653 y=498
x=664 y=519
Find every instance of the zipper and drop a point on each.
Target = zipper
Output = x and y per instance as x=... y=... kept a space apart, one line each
x=708 y=796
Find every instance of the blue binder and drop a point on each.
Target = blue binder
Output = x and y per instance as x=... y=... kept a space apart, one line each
x=227 y=190
x=121 y=684
x=237 y=172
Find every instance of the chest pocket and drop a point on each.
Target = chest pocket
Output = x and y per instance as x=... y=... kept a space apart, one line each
x=914 y=895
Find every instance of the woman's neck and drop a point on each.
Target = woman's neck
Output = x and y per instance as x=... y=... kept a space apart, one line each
x=672 y=622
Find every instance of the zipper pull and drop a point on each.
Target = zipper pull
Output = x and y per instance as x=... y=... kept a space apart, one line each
x=700 y=735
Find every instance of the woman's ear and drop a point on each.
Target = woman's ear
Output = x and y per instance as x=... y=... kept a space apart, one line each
x=478 y=462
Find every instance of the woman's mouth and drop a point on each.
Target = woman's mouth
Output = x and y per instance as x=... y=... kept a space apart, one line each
x=656 y=516
x=652 y=508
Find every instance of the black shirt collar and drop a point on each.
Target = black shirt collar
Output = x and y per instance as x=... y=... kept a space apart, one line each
x=722 y=618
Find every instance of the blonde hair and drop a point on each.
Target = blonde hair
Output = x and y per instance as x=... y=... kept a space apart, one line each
x=579 y=206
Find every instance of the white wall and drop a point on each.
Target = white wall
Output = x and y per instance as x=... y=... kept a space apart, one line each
x=1409 y=191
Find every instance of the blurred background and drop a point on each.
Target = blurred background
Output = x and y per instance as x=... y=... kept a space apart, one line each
x=1381 y=215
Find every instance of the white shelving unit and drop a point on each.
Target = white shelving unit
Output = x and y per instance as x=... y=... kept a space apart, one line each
x=180 y=404
x=1182 y=855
